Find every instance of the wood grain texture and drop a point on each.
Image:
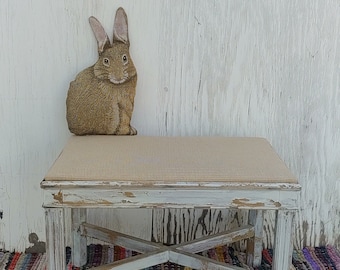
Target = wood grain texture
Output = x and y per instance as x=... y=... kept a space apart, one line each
x=283 y=247
x=55 y=229
x=79 y=244
x=240 y=68
x=230 y=68
x=174 y=226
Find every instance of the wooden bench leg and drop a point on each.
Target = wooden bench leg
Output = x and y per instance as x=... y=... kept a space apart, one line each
x=254 y=244
x=79 y=246
x=283 y=246
x=55 y=238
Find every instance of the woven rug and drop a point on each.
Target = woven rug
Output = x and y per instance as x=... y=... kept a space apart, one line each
x=309 y=258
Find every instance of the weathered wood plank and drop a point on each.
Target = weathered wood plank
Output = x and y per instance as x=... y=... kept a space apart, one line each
x=263 y=78
x=220 y=239
x=182 y=254
x=55 y=246
x=255 y=244
x=161 y=183
x=172 y=198
x=117 y=238
x=283 y=248
x=192 y=224
x=123 y=220
x=79 y=244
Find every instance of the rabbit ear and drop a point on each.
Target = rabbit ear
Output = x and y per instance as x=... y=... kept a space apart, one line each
x=100 y=34
x=120 y=27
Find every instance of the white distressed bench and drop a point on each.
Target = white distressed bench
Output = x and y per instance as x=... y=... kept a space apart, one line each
x=168 y=172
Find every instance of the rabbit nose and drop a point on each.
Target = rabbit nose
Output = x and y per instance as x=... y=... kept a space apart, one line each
x=115 y=80
x=118 y=79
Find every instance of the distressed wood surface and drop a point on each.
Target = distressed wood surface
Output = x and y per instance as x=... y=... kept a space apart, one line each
x=255 y=244
x=217 y=240
x=79 y=243
x=161 y=184
x=181 y=198
x=283 y=247
x=55 y=234
x=173 y=226
x=183 y=254
x=231 y=68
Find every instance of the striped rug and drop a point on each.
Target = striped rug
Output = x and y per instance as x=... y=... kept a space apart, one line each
x=309 y=258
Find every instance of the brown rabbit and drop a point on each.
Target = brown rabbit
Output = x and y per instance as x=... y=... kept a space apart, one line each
x=100 y=99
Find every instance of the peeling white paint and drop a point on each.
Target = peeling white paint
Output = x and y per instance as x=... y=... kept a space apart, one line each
x=231 y=68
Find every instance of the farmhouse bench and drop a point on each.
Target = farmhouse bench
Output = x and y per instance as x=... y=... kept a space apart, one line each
x=168 y=172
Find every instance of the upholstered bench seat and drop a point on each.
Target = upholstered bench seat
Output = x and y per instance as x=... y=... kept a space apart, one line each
x=169 y=172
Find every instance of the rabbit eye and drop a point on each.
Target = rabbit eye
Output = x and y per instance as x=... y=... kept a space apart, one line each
x=124 y=59
x=106 y=62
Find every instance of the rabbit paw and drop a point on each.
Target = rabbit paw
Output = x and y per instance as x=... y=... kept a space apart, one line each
x=133 y=131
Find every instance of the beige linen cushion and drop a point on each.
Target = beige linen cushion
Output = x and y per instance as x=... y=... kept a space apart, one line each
x=169 y=159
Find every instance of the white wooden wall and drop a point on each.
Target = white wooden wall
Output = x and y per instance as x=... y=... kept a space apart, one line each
x=231 y=68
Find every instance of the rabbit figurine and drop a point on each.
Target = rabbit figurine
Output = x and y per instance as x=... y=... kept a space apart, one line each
x=100 y=99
